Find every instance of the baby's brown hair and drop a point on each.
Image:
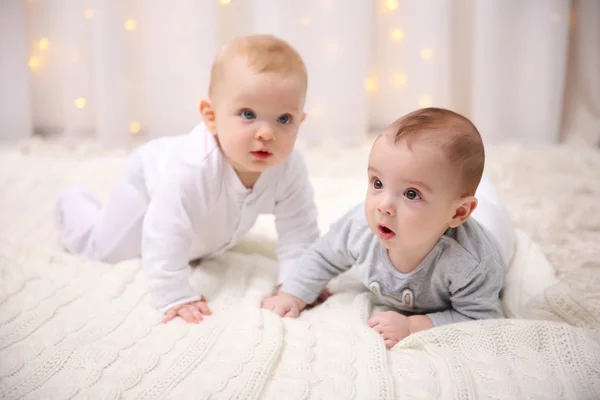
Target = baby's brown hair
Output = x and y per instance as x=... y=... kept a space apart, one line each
x=455 y=134
x=263 y=53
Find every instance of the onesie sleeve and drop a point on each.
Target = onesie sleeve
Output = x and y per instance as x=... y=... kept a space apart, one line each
x=295 y=214
x=167 y=237
x=326 y=258
x=476 y=296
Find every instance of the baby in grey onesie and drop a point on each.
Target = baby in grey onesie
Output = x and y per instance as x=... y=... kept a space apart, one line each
x=413 y=241
x=458 y=280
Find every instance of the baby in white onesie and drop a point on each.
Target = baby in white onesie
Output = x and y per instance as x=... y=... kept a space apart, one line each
x=196 y=195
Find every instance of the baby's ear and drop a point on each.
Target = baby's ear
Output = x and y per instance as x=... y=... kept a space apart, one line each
x=464 y=209
x=208 y=115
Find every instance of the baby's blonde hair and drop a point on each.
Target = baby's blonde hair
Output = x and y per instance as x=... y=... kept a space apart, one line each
x=454 y=134
x=263 y=53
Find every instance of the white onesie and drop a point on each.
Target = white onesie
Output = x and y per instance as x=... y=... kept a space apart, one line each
x=192 y=205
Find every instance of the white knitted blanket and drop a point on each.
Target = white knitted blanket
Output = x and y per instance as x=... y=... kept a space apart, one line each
x=71 y=328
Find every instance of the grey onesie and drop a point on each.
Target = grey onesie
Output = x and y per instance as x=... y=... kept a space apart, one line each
x=460 y=279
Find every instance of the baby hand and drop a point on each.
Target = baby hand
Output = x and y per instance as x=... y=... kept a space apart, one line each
x=284 y=305
x=325 y=294
x=392 y=326
x=190 y=312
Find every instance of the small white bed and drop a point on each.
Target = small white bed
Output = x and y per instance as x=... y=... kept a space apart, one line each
x=71 y=328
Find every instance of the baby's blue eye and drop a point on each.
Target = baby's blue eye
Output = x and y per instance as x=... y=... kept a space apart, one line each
x=412 y=194
x=285 y=119
x=377 y=184
x=248 y=114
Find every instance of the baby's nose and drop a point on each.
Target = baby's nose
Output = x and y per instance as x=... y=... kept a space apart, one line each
x=386 y=208
x=265 y=132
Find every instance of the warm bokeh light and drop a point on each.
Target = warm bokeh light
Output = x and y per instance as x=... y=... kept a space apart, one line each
x=332 y=48
x=80 y=102
x=425 y=101
x=397 y=35
x=371 y=84
x=391 y=4
x=44 y=44
x=426 y=53
x=34 y=63
x=399 y=79
x=135 y=127
x=130 y=24
x=88 y=13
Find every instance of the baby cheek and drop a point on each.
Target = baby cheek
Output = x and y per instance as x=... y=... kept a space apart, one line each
x=289 y=138
x=370 y=209
x=369 y=204
x=410 y=216
x=286 y=141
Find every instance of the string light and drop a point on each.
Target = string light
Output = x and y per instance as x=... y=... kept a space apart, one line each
x=88 y=13
x=332 y=48
x=397 y=35
x=135 y=127
x=425 y=101
x=75 y=57
x=426 y=53
x=225 y=2
x=44 y=44
x=316 y=111
x=399 y=79
x=80 y=102
x=371 y=84
x=130 y=24
x=305 y=21
x=34 y=63
x=391 y=4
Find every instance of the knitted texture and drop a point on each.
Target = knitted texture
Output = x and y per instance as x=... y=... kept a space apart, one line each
x=72 y=328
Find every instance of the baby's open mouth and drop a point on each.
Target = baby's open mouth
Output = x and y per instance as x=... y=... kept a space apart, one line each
x=386 y=233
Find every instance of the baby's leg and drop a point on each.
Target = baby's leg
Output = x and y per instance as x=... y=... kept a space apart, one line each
x=493 y=215
x=111 y=233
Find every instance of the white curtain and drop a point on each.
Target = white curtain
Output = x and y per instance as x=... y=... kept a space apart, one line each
x=582 y=105
x=119 y=69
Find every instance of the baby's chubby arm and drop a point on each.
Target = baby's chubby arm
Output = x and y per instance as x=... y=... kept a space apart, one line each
x=295 y=214
x=475 y=296
x=166 y=240
x=326 y=258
